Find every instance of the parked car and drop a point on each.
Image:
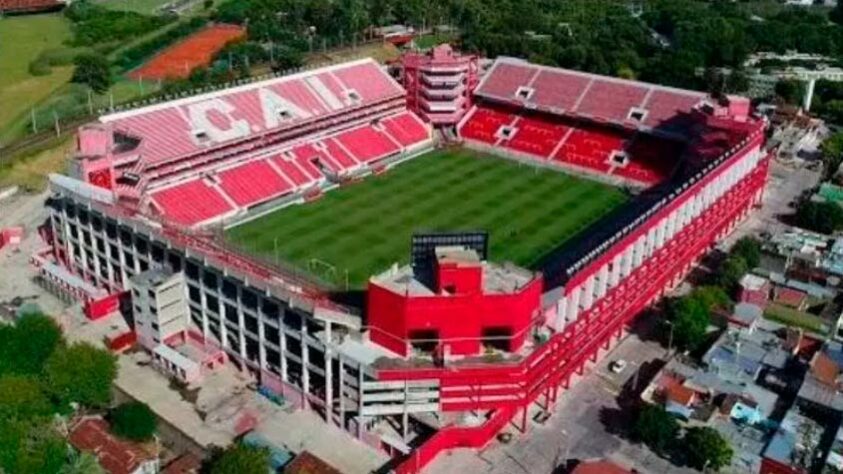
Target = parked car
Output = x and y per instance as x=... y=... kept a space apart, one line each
x=617 y=366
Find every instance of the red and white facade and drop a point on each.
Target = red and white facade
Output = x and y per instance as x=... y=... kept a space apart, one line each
x=700 y=163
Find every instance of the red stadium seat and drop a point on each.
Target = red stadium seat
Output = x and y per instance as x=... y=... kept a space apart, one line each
x=650 y=159
x=370 y=83
x=310 y=154
x=292 y=171
x=484 y=123
x=339 y=155
x=170 y=133
x=506 y=78
x=367 y=144
x=192 y=202
x=536 y=136
x=582 y=94
x=665 y=106
x=406 y=129
x=559 y=90
x=611 y=100
x=590 y=148
x=252 y=183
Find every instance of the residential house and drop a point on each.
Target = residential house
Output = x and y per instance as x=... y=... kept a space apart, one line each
x=754 y=289
x=91 y=434
x=600 y=466
x=724 y=391
x=790 y=297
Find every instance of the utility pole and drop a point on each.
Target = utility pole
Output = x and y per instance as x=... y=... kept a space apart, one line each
x=271 y=53
x=670 y=337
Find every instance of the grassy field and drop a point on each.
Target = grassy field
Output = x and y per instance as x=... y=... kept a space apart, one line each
x=792 y=317
x=30 y=171
x=365 y=227
x=22 y=39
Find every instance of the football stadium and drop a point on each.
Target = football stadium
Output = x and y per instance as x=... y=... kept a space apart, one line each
x=500 y=223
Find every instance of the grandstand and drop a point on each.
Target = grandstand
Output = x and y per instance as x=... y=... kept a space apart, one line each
x=207 y=158
x=562 y=118
x=151 y=186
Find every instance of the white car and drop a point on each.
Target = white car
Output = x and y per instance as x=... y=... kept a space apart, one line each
x=617 y=366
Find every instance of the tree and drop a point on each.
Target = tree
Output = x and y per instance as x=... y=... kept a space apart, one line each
x=832 y=153
x=715 y=81
x=82 y=374
x=82 y=463
x=690 y=318
x=790 y=90
x=749 y=249
x=134 y=421
x=25 y=347
x=710 y=450
x=823 y=217
x=239 y=459
x=836 y=14
x=21 y=398
x=29 y=447
x=737 y=81
x=93 y=70
x=656 y=428
x=710 y=296
x=730 y=273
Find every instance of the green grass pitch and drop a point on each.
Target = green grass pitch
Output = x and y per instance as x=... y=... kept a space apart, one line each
x=365 y=227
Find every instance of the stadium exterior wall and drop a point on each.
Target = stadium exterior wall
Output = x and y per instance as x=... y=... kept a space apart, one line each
x=266 y=328
x=459 y=319
x=599 y=301
x=275 y=332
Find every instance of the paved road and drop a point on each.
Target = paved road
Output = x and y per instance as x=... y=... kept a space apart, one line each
x=785 y=185
x=15 y=271
x=582 y=426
